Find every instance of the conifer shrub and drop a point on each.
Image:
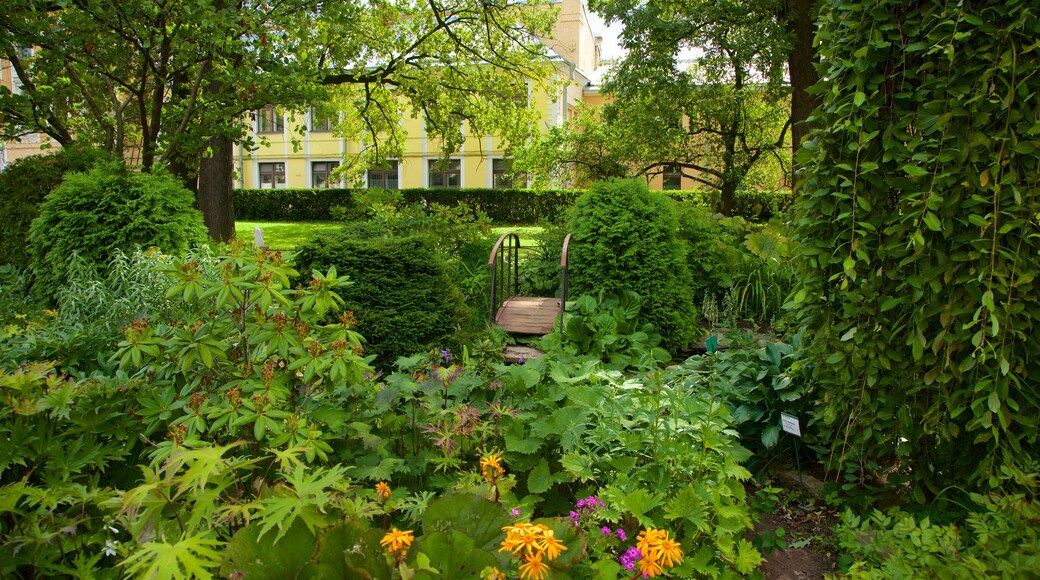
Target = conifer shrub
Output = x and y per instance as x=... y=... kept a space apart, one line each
x=402 y=296
x=109 y=208
x=23 y=186
x=625 y=237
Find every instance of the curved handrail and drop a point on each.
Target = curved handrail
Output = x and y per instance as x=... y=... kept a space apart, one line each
x=563 y=273
x=502 y=268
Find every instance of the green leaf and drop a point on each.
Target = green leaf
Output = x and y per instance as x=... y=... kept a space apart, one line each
x=471 y=515
x=540 y=479
x=932 y=221
x=265 y=558
x=687 y=505
x=914 y=171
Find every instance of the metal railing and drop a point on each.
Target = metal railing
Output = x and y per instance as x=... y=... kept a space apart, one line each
x=504 y=262
x=505 y=272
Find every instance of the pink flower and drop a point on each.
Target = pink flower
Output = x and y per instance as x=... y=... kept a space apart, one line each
x=621 y=534
x=605 y=531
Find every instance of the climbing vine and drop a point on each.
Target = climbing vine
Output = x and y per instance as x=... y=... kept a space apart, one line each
x=918 y=243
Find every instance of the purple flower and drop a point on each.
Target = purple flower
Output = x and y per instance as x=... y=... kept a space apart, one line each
x=575 y=518
x=621 y=534
x=447 y=356
x=580 y=504
x=520 y=361
x=515 y=512
x=605 y=531
x=630 y=557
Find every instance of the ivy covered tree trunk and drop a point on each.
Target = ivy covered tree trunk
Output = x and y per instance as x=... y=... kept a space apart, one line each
x=215 y=193
x=918 y=248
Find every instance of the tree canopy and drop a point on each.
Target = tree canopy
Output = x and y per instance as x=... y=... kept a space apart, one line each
x=714 y=117
x=159 y=80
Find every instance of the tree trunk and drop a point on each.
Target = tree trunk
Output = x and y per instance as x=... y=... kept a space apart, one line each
x=802 y=26
x=215 y=194
x=727 y=194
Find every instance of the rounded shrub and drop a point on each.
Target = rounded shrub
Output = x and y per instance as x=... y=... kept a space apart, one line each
x=402 y=296
x=625 y=237
x=111 y=207
x=23 y=186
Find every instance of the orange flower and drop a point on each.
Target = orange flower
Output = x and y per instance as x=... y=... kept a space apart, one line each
x=657 y=551
x=491 y=467
x=533 y=568
x=549 y=545
x=383 y=491
x=650 y=568
x=397 y=542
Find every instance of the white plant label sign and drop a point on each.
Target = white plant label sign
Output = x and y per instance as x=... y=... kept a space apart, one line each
x=789 y=423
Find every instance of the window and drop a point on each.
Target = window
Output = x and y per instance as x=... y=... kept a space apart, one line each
x=445 y=173
x=321 y=173
x=269 y=120
x=672 y=177
x=321 y=119
x=501 y=173
x=272 y=175
x=385 y=177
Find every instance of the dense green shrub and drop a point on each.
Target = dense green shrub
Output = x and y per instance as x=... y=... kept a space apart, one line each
x=757 y=205
x=916 y=241
x=1000 y=539
x=93 y=305
x=402 y=296
x=23 y=186
x=504 y=206
x=110 y=208
x=540 y=273
x=713 y=248
x=626 y=238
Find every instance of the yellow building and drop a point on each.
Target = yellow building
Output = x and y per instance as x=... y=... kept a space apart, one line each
x=480 y=162
x=28 y=144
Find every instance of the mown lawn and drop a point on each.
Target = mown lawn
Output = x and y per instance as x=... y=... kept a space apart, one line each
x=288 y=235
x=284 y=235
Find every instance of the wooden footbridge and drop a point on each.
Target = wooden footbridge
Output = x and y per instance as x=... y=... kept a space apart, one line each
x=522 y=315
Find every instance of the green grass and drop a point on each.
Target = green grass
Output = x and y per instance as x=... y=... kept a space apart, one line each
x=526 y=233
x=288 y=235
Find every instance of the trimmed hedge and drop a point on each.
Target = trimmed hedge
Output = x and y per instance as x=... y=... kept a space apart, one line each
x=402 y=296
x=756 y=205
x=503 y=206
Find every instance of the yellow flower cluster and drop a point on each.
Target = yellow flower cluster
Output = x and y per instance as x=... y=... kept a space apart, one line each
x=383 y=491
x=532 y=542
x=491 y=467
x=396 y=542
x=657 y=551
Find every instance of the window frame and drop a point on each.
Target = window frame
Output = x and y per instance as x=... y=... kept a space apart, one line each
x=328 y=182
x=453 y=166
x=276 y=119
x=671 y=172
x=383 y=174
x=327 y=122
x=274 y=174
x=498 y=176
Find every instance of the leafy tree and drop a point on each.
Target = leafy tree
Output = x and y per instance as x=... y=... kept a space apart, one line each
x=170 y=81
x=715 y=119
x=917 y=244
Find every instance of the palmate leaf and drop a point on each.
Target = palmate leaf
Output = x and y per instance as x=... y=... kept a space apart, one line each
x=305 y=498
x=687 y=505
x=639 y=503
x=191 y=557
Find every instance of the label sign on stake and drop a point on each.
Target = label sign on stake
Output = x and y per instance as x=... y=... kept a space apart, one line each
x=789 y=423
